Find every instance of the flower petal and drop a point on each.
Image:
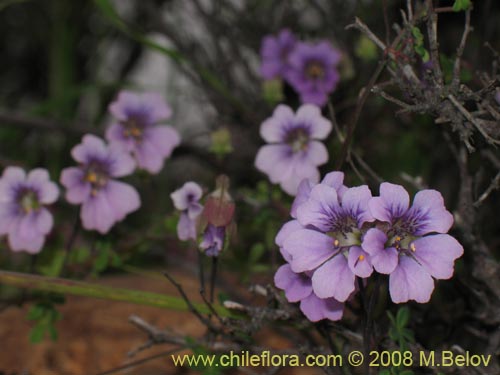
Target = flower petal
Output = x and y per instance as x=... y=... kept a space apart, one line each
x=316 y=309
x=392 y=203
x=186 y=228
x=122 y=198
x=96 y=213
x=334 y=279
x=430 y=213
x=48 y=192
x=319 y=126
x=355 y=202
x=77 y=190
x=410 y=281
x=359 y=262
x=308 y=248
x=437 y=253
x=320 y=209
x=296 y=286
x=273 y=129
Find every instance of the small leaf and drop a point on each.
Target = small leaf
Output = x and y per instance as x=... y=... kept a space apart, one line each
x=460 y=5
x=403 y=317
x=37 y=333
x=36 y=312
x=256 y=252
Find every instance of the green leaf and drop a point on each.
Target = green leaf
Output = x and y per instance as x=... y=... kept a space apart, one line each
x=55 y=266
x=256 y=252
x=365 y=49
x=36 y=312
x=37 y=333
x=460 y=5
x=273 y=91
x=403 y=317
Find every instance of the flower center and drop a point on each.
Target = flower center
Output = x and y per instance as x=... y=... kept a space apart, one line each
x=402 y=243
x=97 y=175
x=28 y=200
x=315 y=70
x=133 y=128
x=298 y=139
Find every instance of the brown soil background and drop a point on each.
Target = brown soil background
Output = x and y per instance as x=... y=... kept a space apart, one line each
x=95 y=336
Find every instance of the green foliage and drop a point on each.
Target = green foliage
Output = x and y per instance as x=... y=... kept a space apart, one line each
x=221 y=142
x=447 y=66
x=419 y=44
x=45 y=316
x=460 y=5
x=365 y=49
x=273 y=91
x=51 y=263
x=398 y=332
x=105 y=258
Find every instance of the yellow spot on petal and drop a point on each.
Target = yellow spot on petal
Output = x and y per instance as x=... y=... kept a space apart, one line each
x=398 y=238
x=336 y=243
x=136 y=132
x=361 y=257
x=413 y=247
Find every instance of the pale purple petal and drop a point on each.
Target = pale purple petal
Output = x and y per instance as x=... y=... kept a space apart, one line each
x=39 y=179
x=11 y=178
x=186 y=228
x=121 y=163
x=430 y=213
x=122 y=198
x=164 y=139
x=334 y=279
x=275 y=161
x=319 y=126
x=189 y=192
x=43 y=221
x=359 y=262
x=303 y=192
x=77 y=190
x=272 y=130
x=384 y=260
x=308 y=248
x=316 y=153
x=392 y=203
x=24 y=235
x=158 y=108
x=92 y=147
x=125 y=101
x=8 y=215
x=316 y=309
x=355 y=201
x=437 y=253
x=410 y=281
x=296 y=286
x=317 y=211
x=115 y=134
x=96 y=213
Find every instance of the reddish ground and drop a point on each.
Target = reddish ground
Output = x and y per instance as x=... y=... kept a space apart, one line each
x=95 y=336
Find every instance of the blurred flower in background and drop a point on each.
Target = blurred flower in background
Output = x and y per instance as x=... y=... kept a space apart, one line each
x=294 y=152
x=186 y=199
x=104 y=200
x=137 y=128
x=274 y=53
x=23 y=216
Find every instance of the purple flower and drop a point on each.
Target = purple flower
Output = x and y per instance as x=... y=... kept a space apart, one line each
x=404 y=249
x=313 y=73
x=274 y=53
x=298 y=286
x=294 y=152
x=213 y=240
x=186 y=199
x=137 y=129
x=329 y=244
x=104 y=200
x=23 y=216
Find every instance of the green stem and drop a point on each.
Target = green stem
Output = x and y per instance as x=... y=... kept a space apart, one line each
x=80 y=288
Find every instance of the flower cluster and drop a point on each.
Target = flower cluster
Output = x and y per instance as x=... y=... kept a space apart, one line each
x=295 y=150
x=311 y=69
x=340 y=233
x=24 y=217
x=213 y=219
x=135 y=140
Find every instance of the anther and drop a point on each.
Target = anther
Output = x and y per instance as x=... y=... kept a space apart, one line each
x=413 y=247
